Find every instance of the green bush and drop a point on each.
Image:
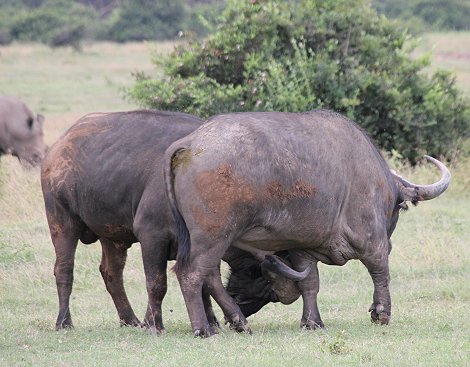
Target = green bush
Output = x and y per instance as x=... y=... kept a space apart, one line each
x=68 y=22
x=425 y=15
x=201 y=18
x=279 y=56
x=140 y=20
x=54 y=22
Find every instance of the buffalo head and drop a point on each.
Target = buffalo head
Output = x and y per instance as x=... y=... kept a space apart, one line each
x=252 y=285
x=21 y=133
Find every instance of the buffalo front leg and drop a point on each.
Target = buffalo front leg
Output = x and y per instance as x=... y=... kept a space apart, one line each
x=113 y=260
x=309 y=288
x=381 y=308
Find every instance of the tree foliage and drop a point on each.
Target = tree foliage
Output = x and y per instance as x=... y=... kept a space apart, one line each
x=422 y=15
x=67 y=22
x=276 y=56
x=147 y=20
x=53 y=22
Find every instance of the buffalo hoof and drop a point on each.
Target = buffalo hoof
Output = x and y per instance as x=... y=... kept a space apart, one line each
x=64 y=320
x=154 y=331
x=238 y=324
x=134 y=322
x=204 y=333
x=241 y=328
x=311 y=324
x=378 y=315
x=63 y=326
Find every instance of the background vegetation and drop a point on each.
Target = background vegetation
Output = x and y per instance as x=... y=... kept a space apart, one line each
x=272 y=55
x=426 y=15
x=69 y=22
x=430 y=261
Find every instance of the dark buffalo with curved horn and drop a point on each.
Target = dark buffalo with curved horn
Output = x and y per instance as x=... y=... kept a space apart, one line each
x=312 y=184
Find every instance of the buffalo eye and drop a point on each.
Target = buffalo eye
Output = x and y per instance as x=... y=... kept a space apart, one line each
x=30 y=122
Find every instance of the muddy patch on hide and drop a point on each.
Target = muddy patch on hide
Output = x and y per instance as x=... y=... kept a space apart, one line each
x=118 y=233
x=61 y=157
x=181 y=158
x=300 y=189
x=226 y=195
x=55 y=229
x=221 y=191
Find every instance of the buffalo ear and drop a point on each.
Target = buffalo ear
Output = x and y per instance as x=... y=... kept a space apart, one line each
x=40 y=118
x=403 y=206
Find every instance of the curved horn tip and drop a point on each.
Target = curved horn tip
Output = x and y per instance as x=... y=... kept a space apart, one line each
x=431 y=159
x=440 y=165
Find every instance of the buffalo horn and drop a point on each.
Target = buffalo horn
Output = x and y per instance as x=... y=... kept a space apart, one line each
x=276 y=265
x=427 y=192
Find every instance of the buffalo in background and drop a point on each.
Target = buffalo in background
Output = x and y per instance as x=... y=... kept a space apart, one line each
x=21 y=133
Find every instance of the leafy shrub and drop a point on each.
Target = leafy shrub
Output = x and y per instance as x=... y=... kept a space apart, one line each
x=201 y=18
x=421 y=15
x=277 y=56
x=147 y=20
x=68 y=22
x=55 y=22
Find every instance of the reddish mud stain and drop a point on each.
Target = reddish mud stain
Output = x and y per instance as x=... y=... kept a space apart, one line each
x=55 y=229
x=60 y=159
x=300 y=189
x=221 y=191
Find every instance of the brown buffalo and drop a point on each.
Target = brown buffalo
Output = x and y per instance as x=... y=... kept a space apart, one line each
x=21 y=133
x=312 y=184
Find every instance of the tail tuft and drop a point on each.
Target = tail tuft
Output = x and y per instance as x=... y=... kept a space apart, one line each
x=182 y=233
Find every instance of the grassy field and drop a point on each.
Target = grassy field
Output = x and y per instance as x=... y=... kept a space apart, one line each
x=450 y=51
x=429 y=263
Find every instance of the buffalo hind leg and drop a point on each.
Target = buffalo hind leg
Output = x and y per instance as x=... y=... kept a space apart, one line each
x=204 y=268
x=191 y=281
x=65 y=232
x=113 y=260
x=381 y=308
x=210 y=314
x=309 y=288
x=65 y=247
x=233 y=315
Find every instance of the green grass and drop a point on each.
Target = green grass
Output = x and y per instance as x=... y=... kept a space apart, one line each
x=430 y=264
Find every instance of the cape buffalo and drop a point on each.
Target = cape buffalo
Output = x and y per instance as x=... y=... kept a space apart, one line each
x=312 y=184
x=103 y=180
x=20 y=131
